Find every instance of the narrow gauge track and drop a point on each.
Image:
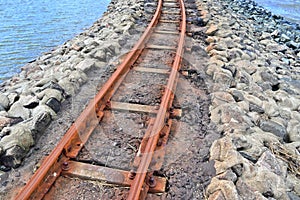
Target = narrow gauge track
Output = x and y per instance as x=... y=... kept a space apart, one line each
x=168 y=25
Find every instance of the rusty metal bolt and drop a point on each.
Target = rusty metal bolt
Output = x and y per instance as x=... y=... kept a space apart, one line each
x=151 y=182
x=65 y=166
x=159 y=143
x=162 y=134
x=131 y=174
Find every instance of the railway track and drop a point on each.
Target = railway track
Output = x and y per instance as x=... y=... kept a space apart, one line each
x=153 y=64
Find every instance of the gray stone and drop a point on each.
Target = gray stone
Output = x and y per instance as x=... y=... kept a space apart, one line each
x=18 y=110
x=276 y=48
x=86 y=65
x=267 y=76
x=5 y=121
x=100 y=55
x=54 y=104
x=293 y=130
x=256 y=108
x=269 y=161
x=237 y=95
x=293 y=196
x=273 y=127
x=16 y=145
x=40 y=122
x=4 y=101
x=212 y=30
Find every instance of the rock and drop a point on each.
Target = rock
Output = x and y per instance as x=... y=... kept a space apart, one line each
x=256 y=108
x=43 y=109
x=267 y=76
x=100 y=55
x=276 y=48
x=4 y=101
x=86 y=65
x=13 y=97
x=254 y=100
x=285 y=38
x=237 y=95
x=246 y=192
x=228 y=175
x=5 y=121
x=265 y=36
x=40 y=122
x=69 y=88
x=224 y=77
x=212 y=30
x=78 y=46
x=224 y=154
x=50 y=93
x=273 y=127
x=265 y=182
x=18 y=109
x=31 y=103
x=54 y=104
x=293 y=131
x=219 y=98
x=269 y=161
x=222 y=189
x=293 y=196
x=16 y=145
x=294 y=45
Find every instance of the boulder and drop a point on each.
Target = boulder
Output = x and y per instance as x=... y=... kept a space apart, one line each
x=16 y=145
x=273 y=127
x=85 y=65
x=4 y=101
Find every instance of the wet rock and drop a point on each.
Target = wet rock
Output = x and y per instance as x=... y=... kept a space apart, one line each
x=273 y=127
x=16 y=145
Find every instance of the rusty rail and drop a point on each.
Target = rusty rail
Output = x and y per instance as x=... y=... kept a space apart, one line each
x=79 y=132
x=162 y=115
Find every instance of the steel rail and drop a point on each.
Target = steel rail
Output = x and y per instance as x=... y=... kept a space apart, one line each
x=76 y=136
x=166 y=103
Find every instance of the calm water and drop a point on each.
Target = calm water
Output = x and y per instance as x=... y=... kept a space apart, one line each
x=30 y=27
x=290 y=9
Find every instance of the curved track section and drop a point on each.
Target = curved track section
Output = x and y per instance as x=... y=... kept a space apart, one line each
x=141 y=179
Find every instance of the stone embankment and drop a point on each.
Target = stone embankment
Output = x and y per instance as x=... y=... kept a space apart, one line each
x=254 y=63
x=31 y=100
